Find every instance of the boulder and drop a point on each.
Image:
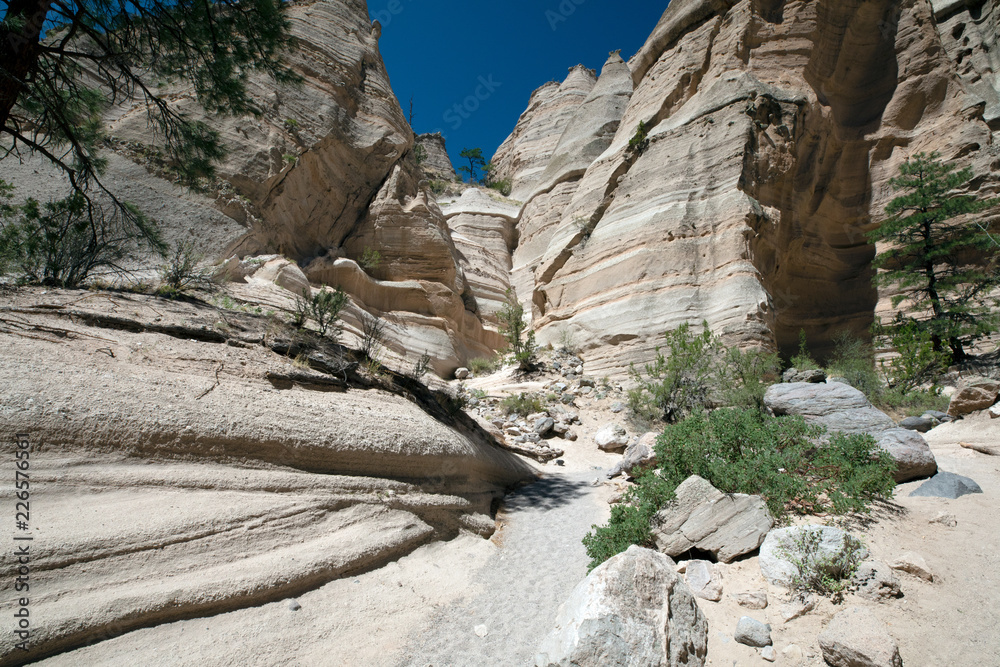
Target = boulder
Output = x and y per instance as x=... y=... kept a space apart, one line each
x=638 y=455
x=912 y=454
x=875 y=581
x=914 y=564
x=611 y=438
x=857 y=638
x=704 y=579
x=462 y=373
x=796 y=375
x=811 y=546
x=284 y=274
x=947 y=485
x=974 y=395
x=634 y=609
x=544 y=426
x=919 y=424
x=702 y=517
x=751 y=632
x=842 y=408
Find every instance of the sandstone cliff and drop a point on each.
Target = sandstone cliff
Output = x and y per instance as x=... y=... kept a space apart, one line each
x=773 y=129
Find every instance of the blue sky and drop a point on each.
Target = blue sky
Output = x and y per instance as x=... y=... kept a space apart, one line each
x=487 y=57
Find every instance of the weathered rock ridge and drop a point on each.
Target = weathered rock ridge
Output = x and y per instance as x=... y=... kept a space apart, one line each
x=773 y=129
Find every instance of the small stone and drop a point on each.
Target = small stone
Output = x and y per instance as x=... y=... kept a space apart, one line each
x=587 y=382
x=751 y=632
x=792 y=654
x=462 y=374
x=767 y=653
x=919 y=424
x=945 y=519
x=752 y=600
x=481 y=630
x=567 y=398
x=294 y=605
x=570 y=435
x=995 y=411
x=942 y=417
x=914 y=564
x=617 y=407
x=797 y=608
x=705 y=580
x=560 y=462
x=544 y=426
x=876 y=581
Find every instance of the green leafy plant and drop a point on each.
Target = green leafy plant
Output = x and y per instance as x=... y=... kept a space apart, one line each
x=741 y=450
x=853 y=359
x=291 y=125
x=522 y=404
x=817 y=571
x=437 y=187
x=476 y=163
x=639 y=142
x=483 y=366
x=371 y=259
x=679 y=381
x=803 y=360
x=323 y=307
x=290 y=158
x=520 y=338
x=181 y=272
x=503 y=186
x=421 y=366
x=419 y=154
x=916 y=360
x=934 y=263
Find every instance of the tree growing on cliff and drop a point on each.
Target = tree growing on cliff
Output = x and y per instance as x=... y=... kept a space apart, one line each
x=476 y=163
x=936 y=260
x=63 y=63
x=513 y=327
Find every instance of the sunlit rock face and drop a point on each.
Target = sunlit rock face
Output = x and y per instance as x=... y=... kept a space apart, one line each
x=773 y=129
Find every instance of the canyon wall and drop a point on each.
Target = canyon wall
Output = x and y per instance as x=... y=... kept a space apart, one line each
x=770 y=131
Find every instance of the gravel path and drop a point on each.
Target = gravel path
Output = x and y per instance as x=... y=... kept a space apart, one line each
x=540 y=560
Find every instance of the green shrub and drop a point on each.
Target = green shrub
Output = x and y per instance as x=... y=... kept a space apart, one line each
x=522 y=404
x=421 y=366
x=504 y=186
x=61 y=243
x=803 y=360
x=371 y=259
x=438 y=187
x=324 y=308
x=679 y=382
x=640 y=140
x=513 y=327
x=181 y=272
x=818 y=573
x=483 y=366
x=854 y=360
x=745 y=375
x=745 y=451
x=912 y=403
x=419 y=153
x=917 y=361
x=372 y=336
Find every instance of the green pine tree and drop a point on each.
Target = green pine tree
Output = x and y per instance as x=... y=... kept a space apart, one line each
x=937 y=257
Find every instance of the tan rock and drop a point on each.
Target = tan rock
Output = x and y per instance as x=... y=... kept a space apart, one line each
x=974 y=396
x=436 y=163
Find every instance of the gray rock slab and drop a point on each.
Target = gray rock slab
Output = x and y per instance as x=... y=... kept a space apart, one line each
x=918 y=424
x=702 y=517
x=838 y=407
x=947 y=485
x=876 y=581
x=704 y=579
x=857 y=638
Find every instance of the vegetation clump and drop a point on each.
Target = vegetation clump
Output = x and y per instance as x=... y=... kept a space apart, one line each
x=519 y=336
x=323 y=307
x=741 y=450
x=522 y=404
x=182 y=273
x=817 y=570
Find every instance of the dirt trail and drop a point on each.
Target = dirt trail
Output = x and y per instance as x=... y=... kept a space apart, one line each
x=540 y=560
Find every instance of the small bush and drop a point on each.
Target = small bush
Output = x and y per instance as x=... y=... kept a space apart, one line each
x=912 y=403
x=745 y=376
x=513 y=327
x=483 y=366
x=419 y=154
x=640 y=140
x=291 y=125
x=817 y=573
x=181 y=272
x=324 y=308
x=522 y=404
x=679 y=382
x=917 y=362
x=438 y=187
x=371 y=259
x=421 y=366
x=372 y=336
x=854 y=360
x=745 y=451
x=803 y=360
x=504 y=186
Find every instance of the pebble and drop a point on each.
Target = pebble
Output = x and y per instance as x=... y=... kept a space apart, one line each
x=294 y=605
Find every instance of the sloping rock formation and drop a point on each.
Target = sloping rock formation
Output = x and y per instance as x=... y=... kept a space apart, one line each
x=189 y=469
x=771 y=131
x=436 y=163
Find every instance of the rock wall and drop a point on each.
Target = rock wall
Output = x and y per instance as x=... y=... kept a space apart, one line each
x=436 y=163
x=773 y=129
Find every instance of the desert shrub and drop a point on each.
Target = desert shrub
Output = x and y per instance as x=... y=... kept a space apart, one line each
x=521 y=345
x=917 y=362
x=181 y=272
x=421 y=366
x=678 y=382
x=371 y=259
x=640 y=140
x=803 y=360
x=522 y=404
x=483 y=366
x=438 y=187
x=854 y=360
x=912 y=403
x=323 y=307
x=372 y=336
x=61 y=243
x=745 y=375
x=745 y=451
x=503 y=186
x=419 y=153
x=818 y=573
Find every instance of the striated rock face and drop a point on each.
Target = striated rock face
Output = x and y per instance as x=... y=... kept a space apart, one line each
x=773 y=129
x=436 y=163
x=524 y=155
